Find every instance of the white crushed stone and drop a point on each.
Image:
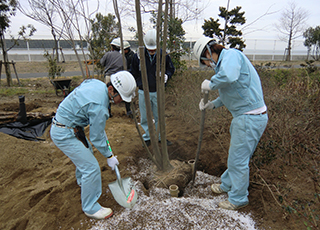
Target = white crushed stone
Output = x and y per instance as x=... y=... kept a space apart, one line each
x=197 y=209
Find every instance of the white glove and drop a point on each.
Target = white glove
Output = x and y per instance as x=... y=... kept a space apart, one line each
x=112 y=161
x=165 y=78
x=208 y=105
x=205 y=86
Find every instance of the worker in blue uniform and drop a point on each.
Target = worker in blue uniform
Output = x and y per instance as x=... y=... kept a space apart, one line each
x=241 y=93
x=88 y=105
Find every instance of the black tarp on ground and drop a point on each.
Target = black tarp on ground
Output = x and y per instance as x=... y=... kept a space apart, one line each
x=31 y=131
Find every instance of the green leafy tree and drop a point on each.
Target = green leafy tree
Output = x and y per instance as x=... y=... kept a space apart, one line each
x=312 y=41
x=104 y=30
x=54 y=70
x=175 y=39
x=229 y=35
x=7 y=8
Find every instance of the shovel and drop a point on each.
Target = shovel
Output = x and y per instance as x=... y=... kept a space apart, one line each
x=123 y=190
x=203 y=113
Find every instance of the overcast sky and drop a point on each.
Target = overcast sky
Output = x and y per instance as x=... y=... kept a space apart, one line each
x=262 y=29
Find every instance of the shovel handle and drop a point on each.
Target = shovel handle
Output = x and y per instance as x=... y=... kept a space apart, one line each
x=116 y=169
x=203 y=113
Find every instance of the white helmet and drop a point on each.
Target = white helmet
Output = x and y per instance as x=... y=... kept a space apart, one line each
x=125 y=84
x=202 y=45
x=126 y=45
x=116 y=42
x=150 y=39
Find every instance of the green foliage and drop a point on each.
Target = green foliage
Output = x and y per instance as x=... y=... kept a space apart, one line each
x=54 y=70
x=175 y=42
x=312 y=41
x=104 y=30
x=175 y=39
x=8 y=8
x=230 y=35
x=309 y=66
x=289 y=209
x=281 y=76
x=14 y=91
x=24 y=33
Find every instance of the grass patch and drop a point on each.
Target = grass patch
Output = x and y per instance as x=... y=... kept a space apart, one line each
x=12 y=91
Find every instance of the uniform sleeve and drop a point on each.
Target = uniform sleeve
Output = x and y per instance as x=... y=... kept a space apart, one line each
x=135 y=70
x=169 y=67
x=217 y=102
x=103 y=59
x=98 y=116
x=229 y=70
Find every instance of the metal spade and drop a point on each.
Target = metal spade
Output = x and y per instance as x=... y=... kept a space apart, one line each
x=123 y=190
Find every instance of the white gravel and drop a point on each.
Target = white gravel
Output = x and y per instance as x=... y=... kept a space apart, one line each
x=197 y=209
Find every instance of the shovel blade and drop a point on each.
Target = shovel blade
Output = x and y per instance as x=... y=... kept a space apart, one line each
x=124 y=192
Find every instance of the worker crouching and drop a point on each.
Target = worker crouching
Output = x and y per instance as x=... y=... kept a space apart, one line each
x=88 y=105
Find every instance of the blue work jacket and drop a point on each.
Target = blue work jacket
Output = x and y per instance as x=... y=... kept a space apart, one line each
x=238 y=83
x=88 y=105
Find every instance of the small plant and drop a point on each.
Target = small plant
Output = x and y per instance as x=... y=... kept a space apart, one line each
x=54 y=70
x=310 y=67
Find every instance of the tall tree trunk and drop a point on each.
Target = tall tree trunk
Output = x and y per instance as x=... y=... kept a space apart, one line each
x=161 y=85
x=6 y=59
x=56 y=48
x=116 y=10
x=225 y=25
x=288 y=57
x=171 y=16
x=78 y=58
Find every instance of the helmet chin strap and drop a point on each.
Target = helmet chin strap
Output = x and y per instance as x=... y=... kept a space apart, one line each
x=212 y=63
x=111 y=98
x=211 y=59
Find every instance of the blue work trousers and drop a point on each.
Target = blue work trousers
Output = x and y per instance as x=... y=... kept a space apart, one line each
x=246 y=131
x=143 y=112
x=88 y=172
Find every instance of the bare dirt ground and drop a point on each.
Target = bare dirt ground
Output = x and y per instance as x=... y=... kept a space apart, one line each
x=38 y=189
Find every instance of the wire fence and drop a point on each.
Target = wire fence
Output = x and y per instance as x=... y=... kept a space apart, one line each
x=256 y=49
x=265 y=50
